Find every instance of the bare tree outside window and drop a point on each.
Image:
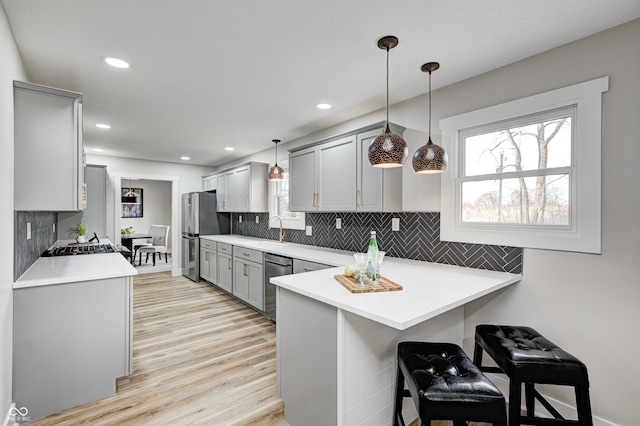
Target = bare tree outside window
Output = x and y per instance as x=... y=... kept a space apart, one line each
x=519 y=172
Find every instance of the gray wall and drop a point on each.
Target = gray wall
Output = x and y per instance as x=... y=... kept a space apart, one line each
x=585 y=303
x=11 y=68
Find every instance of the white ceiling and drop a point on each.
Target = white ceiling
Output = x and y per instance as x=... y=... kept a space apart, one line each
x=213 y=73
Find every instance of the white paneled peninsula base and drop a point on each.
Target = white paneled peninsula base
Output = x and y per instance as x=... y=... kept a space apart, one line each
x=336 y=349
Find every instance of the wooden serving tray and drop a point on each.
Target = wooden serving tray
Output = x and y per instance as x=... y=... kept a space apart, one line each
x=351 y=284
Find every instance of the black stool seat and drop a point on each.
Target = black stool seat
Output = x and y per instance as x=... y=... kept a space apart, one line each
x=445 y=385
x=529 y=358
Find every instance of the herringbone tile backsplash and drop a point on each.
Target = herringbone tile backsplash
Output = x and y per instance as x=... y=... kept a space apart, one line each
x=418 y=238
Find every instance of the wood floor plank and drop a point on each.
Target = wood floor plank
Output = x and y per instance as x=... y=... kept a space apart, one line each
x=199 y=357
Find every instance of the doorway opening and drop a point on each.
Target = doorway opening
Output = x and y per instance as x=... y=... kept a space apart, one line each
x=126 y=181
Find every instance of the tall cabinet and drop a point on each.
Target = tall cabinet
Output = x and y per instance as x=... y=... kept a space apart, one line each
x=48 y=151
x=335 y=175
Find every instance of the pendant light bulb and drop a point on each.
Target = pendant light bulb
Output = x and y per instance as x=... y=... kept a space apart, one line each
x=430 y=158
x=275 y=172
x=388 y=149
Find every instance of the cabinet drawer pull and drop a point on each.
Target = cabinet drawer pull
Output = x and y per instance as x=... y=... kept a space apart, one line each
x=246 y=254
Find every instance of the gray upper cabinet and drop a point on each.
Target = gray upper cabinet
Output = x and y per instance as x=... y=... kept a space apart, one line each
x=302 y=180
x=323 y=177
x=377 y=190
x=335 y=176
x=48 y=149
x=242 y=189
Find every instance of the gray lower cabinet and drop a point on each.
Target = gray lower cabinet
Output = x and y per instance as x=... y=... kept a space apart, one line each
x=71 y=342
x=248 y=276
x=225 y=267
x=300 y=266
x=208 y=261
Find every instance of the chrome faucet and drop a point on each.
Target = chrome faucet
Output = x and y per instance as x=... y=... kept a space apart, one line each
x=281 y=233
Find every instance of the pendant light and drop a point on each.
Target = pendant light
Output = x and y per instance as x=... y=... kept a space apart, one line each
x=430 y=158
x=275 y=172
x=388 y=149
x=130 y=192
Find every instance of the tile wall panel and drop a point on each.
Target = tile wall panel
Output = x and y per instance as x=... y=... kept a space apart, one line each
x=418 y=238
x=26 y=252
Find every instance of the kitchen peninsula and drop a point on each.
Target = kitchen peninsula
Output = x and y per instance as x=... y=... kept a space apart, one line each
x=336 y=349
x=72 y=331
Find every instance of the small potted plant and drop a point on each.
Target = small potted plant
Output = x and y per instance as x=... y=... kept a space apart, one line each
x=80 y=231
x=125 y=232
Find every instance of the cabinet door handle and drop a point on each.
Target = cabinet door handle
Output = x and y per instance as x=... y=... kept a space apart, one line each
x=247 y=203
x=357 y=198
x=229 y=264
x=244 y=269
x=206 y=255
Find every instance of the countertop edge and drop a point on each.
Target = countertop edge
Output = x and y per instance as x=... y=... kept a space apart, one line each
x=71 y=269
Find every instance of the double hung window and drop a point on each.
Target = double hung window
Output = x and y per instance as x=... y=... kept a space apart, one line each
x=526 y=173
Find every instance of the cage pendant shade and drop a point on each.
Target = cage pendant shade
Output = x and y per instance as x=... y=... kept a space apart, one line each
x=275 y=172
x=430 y=158
x=388 y=149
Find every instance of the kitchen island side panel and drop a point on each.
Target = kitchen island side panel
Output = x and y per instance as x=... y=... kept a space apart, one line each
x=307 y=361
x=369 y=364
x=71 y=342
x=336 y=367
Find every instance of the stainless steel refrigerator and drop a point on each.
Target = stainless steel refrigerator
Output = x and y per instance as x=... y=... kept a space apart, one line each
x=200 y=216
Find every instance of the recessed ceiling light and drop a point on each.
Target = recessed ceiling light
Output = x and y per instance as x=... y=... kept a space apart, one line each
x=185 y=158
x=323 y=106
x=103 y=126
x=98 y=149
x=116 y=62
x=228 y=148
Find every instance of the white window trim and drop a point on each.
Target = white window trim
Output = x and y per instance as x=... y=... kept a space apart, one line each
x=287 y=223
x=584 y=234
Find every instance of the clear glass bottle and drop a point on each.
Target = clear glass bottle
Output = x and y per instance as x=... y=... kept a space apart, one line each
x=372 y=252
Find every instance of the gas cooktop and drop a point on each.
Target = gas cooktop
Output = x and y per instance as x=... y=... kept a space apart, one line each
x=74 y=249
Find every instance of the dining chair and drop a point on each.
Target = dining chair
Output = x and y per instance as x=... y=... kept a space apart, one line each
x=143 y=242
x=158 y=245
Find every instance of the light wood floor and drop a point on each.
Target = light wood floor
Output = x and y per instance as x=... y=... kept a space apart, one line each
x=199 y=357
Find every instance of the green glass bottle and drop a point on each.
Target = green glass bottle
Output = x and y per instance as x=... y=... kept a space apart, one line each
x=372 y=251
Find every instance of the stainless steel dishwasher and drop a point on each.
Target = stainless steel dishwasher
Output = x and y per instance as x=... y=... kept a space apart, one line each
x=274 y=266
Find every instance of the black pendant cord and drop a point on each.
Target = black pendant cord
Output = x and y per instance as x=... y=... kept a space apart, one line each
x=277 y=150
x=429 y=105
x=387 y=88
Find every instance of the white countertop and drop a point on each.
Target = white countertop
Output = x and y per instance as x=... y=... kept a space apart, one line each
x=327 y=256
x=68 y=269
x=429 y=289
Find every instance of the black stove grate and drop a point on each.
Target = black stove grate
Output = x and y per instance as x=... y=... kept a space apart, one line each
x=73 y=250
